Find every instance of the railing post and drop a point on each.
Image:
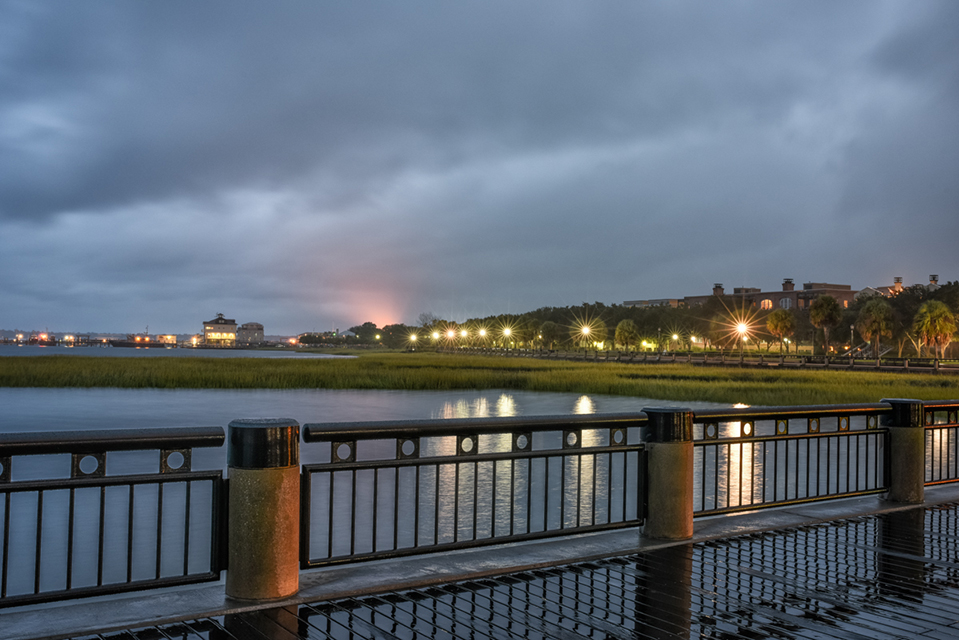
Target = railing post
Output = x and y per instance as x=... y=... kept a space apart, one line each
x=669 y=474
x=907 y=451
x=264 y=509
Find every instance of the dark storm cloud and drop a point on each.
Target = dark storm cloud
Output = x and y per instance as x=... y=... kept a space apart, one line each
x=345 y=161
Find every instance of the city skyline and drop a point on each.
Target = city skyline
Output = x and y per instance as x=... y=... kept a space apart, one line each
x=317 y=166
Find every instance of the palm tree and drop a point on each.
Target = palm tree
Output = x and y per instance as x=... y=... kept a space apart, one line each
x=781 y=324
x=626 y=333
x=825 y=313
x=551 y=332
x=875 y=321
x=935 y=324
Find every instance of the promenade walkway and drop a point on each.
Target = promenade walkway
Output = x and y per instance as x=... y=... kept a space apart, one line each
x=855 y=568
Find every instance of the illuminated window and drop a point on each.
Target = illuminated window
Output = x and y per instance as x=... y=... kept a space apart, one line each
x=766 y=304
x=845 y=304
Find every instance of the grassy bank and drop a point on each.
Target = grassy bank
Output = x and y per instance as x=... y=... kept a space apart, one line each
x=422 y=371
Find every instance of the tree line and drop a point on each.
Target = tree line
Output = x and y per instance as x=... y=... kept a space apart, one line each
x=915 y=322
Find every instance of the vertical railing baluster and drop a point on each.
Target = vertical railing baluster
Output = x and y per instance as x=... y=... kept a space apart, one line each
x=100 y=532
x=563 y=460
x=740 y=474
x=6 y=544
x=129 y=533
x=376 y=508
x=436 y=505
x=330 y=506
x=70 y=516
x=848 y=460
x=456 y=502
x=416 y=508
x=396 y=508
x=593 y=494
x=474 y=535
x=529 y=493
x=353 y=512
x=36 y=565
x=493 y=506
x=186 y=527
x=512 y=497
x=546 y=492
x=579 y=489
x=159 y=528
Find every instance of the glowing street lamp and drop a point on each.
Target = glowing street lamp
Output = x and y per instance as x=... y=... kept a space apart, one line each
x=742 y=328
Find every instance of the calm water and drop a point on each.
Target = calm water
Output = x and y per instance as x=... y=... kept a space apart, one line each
x=123 y=352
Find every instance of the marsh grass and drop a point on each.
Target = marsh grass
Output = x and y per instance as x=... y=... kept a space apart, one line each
x=430 y=372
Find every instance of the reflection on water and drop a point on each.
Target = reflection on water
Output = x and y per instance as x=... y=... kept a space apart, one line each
x=584 y=406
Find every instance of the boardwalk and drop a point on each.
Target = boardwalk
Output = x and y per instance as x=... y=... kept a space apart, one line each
x=888 y=575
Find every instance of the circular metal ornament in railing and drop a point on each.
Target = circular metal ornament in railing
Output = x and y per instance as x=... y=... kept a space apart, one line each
x=782 y=427
x=930 y=418
x=843 y=423
x=4 y=469
x=812 y=426
x=466 y=445
x=572 y=439
x=88 y=465
x=872 y=422
x=617 y=436
x=175 y=460
x=522 y=441
x=747 y=429
x=407 y=448
x=343 y=451
x=711 y=431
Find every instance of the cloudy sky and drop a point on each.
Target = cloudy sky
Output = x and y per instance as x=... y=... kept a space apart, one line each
x=309 y=165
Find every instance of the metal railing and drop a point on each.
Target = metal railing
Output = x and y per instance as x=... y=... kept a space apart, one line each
x=942 y=442
x=753 y=458
x=80 y=518
x=393 y=489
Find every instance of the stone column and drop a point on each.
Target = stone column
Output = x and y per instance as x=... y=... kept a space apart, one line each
x=907 y=451
x=264 y=502
x=669 y=472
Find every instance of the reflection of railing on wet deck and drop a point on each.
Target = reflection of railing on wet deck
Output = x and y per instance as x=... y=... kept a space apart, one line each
x=392 y=489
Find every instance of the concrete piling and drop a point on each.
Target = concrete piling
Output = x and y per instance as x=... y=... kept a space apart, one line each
x=264 y=509
x=669 y=450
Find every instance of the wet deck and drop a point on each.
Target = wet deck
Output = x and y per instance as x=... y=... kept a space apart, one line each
x=888 y=574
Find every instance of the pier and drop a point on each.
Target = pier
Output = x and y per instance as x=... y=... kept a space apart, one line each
x=825 y=521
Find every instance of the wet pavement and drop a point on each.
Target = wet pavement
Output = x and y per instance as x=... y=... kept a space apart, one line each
x=886 y=574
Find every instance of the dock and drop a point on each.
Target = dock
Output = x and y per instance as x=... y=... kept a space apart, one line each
x=854 y=568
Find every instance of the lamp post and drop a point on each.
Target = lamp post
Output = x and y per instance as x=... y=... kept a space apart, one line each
x=742 y=329
x=852 y=337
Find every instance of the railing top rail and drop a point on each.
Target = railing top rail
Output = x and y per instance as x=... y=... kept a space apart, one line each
x=47 y=442
x=941 y=404
x=772 y=413
x=330 y=431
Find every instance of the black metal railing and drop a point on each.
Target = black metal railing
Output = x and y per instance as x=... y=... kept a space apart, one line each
x=753 y=458
x=400 y=488
x=942 y=442
x=80 y=516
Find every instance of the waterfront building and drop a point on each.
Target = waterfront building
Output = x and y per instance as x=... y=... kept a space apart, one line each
x=896 y=287
x=250 y=334
x=788 y=298
x=220 y=331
